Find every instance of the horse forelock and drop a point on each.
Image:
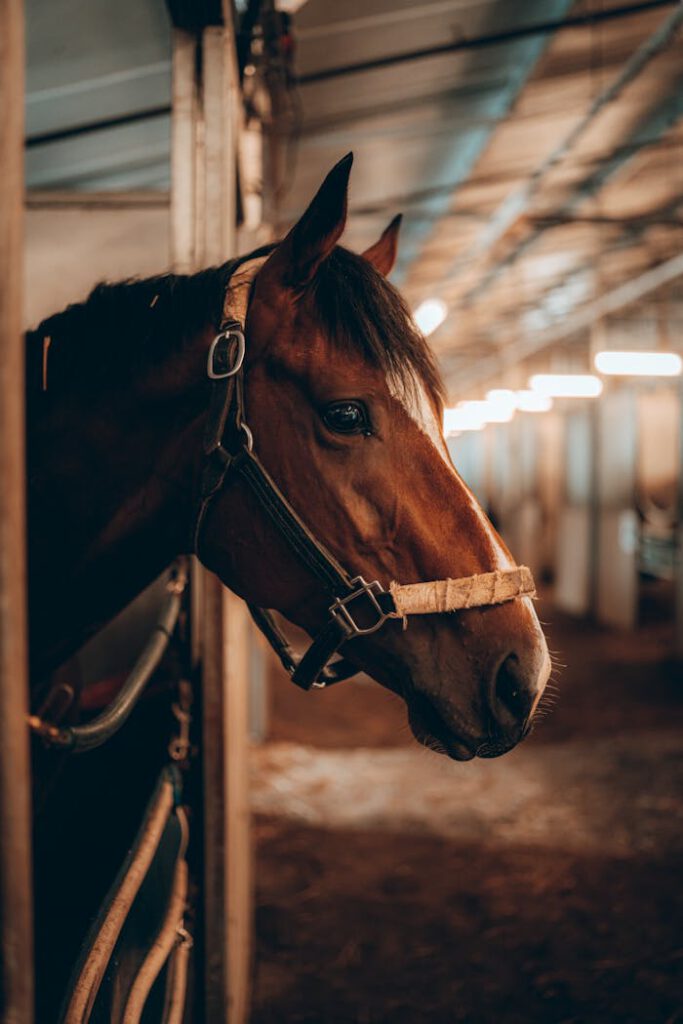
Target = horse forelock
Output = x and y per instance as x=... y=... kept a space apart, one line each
x=361 y=312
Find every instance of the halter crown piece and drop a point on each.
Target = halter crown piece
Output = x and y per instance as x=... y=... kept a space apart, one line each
x=358 y=608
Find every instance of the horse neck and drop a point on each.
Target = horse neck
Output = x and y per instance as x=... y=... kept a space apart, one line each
x=110 y=503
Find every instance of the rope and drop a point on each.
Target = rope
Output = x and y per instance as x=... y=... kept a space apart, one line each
x=486 y=588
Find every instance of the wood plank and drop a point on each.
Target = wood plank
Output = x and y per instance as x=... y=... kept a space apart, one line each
x=220 y=141
x=16 y=941
x=239 y=854
x=225 y=629
x=183 y=139
x=206 y=120
x=678 y=640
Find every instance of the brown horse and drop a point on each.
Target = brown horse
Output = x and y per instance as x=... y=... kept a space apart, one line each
x=344 y=403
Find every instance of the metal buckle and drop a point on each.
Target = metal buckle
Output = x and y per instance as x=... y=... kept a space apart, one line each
x=228 y=335
x=340 y=609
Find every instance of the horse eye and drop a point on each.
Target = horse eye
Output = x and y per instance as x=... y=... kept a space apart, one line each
x=346 y=418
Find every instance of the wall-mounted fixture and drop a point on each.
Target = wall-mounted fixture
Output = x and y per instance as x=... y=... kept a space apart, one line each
x=566 y=385
x=501 y=405
x=638 y=364
x=465 y=416
x=533 y=401
x=430 y=314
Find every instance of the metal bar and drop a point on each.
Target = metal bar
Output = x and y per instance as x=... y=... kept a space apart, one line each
x=79 y=738
x=483 y=41
x=16 y=917
x=45 y=138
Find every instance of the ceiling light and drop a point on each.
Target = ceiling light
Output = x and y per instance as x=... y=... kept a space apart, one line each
x=566 y=385
x=533 y=401
x=429 y=315
x=501 y=405
x=639 y=364
x=465 y=416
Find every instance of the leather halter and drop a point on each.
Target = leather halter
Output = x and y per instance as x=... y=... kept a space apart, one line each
x=358 y=608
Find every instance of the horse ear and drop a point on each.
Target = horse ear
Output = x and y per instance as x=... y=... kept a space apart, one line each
x=382 y=254
x=315 y=235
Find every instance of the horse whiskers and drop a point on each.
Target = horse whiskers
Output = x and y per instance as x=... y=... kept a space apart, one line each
x=431 y=743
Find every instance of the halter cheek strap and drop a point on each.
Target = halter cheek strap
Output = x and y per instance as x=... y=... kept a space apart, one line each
x=358 y=608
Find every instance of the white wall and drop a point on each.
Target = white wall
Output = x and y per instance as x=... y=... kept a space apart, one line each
x=71 y=249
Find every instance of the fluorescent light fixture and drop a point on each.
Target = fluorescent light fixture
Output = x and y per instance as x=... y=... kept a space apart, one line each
x=501 y=405
x=639 y=364
x=498 y=407
x=533 y=401
x=566 y=385
x=430 y=314
x=465 y=416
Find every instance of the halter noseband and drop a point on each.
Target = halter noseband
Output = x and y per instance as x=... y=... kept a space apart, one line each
x=358 y=608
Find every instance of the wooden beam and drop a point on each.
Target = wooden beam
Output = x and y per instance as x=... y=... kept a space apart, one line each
x=678 y=634
x=206 y=115
x=225 y=625
x=183 y=141
x=16 y=929
x=220 y=95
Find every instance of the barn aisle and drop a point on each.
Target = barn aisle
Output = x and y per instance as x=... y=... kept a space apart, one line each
x=395 y=886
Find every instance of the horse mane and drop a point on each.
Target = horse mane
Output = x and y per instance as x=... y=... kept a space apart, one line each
x=122 y=328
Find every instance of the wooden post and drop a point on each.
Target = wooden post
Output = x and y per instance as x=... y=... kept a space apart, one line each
x=678 y=636
x=16 y=938
x=183 y=142
x=205 y=131
x=575 y=519
x=616 y=529
x=225 y=626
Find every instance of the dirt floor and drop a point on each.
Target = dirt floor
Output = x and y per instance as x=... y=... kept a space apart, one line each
x=396 y=886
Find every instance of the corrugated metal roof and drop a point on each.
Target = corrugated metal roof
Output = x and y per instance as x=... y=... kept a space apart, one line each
x=451 y=139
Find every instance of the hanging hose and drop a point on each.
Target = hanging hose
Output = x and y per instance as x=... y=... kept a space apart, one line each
x=93 y=734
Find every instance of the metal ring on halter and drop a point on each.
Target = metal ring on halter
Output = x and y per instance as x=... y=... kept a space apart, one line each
x=249 y=437
x=230 y=333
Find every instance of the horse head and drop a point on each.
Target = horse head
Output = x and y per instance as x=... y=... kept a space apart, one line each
x=344 y=403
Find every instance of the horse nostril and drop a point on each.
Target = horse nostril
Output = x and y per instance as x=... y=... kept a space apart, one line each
x=512 y=700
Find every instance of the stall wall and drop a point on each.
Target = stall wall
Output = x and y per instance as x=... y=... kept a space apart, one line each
x=69 y=250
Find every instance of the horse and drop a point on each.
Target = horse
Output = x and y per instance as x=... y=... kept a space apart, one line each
x=341 y=398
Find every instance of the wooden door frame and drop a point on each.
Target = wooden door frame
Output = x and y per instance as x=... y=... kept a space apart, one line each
x=16 y=898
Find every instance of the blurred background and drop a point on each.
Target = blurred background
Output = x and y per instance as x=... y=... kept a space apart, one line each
x=536 y=151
